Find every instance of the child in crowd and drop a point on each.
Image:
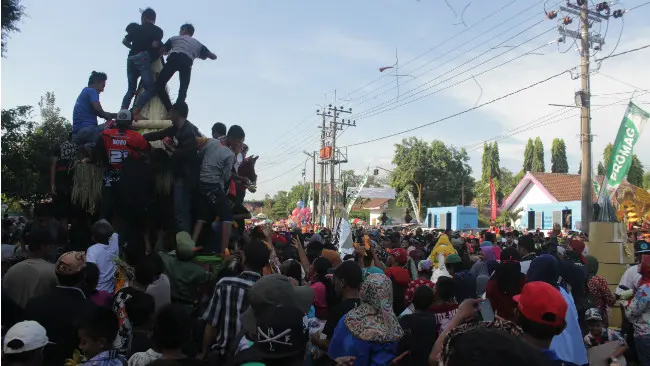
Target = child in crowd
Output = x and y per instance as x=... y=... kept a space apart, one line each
x=97 y=329
x=160 y=287
x=599 y=335
x=183 y=50
x=444 y=305
x=98 y=297
x=419 y=327
x=140 y=310
x=103 y=253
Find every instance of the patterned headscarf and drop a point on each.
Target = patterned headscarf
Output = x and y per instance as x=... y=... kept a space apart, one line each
x=70 y=263
x=373 y=320
x=448 y=343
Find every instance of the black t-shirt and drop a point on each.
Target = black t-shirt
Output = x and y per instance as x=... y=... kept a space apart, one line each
x=65 y=154
x=336 y=313
x=419 y=336
x=140 y=342
x=142 y=37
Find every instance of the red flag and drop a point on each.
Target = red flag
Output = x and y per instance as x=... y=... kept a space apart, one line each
x=381 y=69
x=493 y=201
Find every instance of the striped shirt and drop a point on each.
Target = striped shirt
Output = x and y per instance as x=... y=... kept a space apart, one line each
x=227 y=304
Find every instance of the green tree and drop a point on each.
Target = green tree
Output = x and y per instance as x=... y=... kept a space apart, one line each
x=646 y=180
x=490 y=162
x=600 y=169
x=559 y=162
x=528 y=156
x=509 y=218
x=364 y=215
x=17 y=126
x=580 y=168
x=635 y=175
x=538 y=156
x=26 y=148
x=12 y=13
x=279 y=207
x=434 y=173
x=299 y=192
x=607 y=154
x=508 y=182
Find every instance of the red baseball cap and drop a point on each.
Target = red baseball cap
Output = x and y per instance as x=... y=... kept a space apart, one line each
x=400 y=255
x=542 y=303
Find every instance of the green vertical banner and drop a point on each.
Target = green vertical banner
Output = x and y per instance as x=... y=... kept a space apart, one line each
x=619 y=163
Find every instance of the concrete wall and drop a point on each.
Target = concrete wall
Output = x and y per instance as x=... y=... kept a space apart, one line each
x=531 y=195
x=547 y=210
x=461 y=217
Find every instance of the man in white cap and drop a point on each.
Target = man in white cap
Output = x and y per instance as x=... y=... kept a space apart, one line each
x=23 y=344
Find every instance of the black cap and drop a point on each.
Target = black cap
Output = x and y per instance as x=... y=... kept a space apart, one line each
x=641 y=246
x=281 y=332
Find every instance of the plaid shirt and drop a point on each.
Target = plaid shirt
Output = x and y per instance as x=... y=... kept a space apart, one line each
x=227 y=304
x=106 y=358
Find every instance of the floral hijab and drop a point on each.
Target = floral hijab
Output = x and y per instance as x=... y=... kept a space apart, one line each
x=373 y=320
x=452 y=336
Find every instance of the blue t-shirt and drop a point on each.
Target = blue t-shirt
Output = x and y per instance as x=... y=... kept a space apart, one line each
x=84 y=114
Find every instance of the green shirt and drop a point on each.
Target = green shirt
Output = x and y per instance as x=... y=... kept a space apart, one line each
x=184 y=276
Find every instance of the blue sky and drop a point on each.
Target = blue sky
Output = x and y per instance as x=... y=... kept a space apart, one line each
x=279 y=59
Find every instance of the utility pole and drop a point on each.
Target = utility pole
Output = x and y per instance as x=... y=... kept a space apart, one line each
x=323 y=167
x=585 y=120
x=588 y=41
x=335 y=127
x=313 y=158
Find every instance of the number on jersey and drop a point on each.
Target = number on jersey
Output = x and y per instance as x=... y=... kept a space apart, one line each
x=118 y=156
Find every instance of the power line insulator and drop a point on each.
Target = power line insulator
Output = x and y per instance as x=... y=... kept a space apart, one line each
x=567 y=20
x=603 y=7
x=551 y=14
x=581 y=2
x=617 y=13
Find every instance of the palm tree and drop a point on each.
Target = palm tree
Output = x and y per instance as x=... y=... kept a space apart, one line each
x=509 y=217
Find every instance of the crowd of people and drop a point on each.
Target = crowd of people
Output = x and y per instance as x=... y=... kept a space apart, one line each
x=125 y=286
x=277 y=301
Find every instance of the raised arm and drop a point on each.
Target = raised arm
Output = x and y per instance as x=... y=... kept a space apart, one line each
x=205 y=53
x=159 y=135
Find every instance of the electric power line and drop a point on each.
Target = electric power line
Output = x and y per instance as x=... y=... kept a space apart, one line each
x=386 y=109
x=545 y=122
x=373 y=111
x=459 y=113
x=286 y=172
x=436 y=46
x=484 y=33
x=480 y=105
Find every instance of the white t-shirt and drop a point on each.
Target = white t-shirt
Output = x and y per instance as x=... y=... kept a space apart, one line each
x=630 y=279
x=102 y=255
x=161 y=292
